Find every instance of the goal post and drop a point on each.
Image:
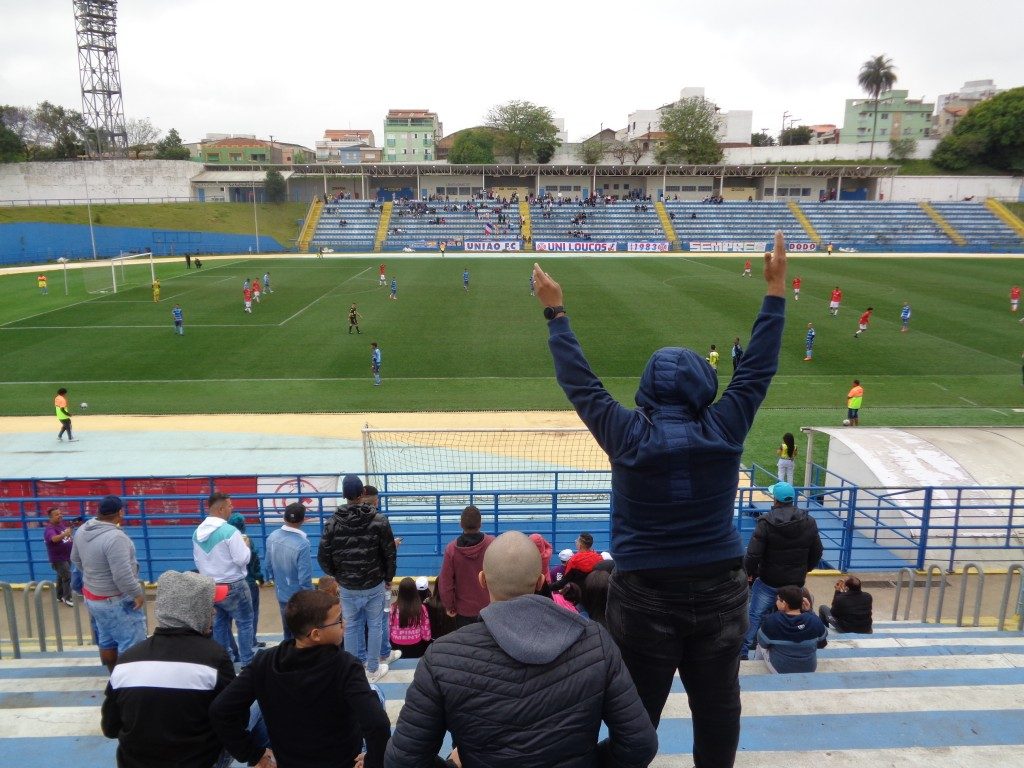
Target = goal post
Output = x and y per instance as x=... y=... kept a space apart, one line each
x=517 y=462
x=120 y=273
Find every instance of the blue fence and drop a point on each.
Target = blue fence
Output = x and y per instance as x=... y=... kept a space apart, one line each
x=862 y=529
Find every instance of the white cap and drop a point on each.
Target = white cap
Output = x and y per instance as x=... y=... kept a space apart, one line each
x=422 y=583
x=564 y=555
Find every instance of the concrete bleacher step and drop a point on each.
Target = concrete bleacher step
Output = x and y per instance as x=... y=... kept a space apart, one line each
x=909 y=695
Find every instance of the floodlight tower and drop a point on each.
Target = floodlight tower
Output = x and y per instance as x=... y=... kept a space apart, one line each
x=96 y=27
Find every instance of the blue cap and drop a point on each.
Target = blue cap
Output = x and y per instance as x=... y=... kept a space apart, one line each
x=782 y=492
x=352 y=487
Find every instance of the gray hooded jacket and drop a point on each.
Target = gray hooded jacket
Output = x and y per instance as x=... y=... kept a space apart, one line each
x=106 y=557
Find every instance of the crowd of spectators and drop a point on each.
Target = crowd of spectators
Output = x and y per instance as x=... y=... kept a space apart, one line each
x=523 y=654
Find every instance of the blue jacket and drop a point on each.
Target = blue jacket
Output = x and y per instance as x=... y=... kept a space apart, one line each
x=289 y=563
x=792 y=642
x=676 y=456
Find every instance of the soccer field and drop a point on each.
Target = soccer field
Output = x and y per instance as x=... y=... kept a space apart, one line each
x=447 y=349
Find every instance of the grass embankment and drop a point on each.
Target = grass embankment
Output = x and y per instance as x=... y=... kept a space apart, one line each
x=280 y=221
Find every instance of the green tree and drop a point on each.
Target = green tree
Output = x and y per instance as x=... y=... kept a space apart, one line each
x=877 y=74
x=472 y=147
x=591 y=151
x=691 y=128
x=761 y=139
x=991 y=134
x=12 y=148
x=275 y=187
x=60 y=133
x=796 y=136
x=524 y=130
x=620 y=151
x=170 y=147
x=902 y=149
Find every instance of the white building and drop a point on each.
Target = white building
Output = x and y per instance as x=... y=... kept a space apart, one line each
x=734 y=126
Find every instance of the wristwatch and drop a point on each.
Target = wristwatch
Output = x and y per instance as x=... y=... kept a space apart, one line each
x=551 y=312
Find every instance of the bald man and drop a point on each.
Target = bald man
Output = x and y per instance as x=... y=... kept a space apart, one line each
x=498 y=685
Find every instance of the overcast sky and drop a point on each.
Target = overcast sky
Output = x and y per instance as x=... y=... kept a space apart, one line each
x=292 y=69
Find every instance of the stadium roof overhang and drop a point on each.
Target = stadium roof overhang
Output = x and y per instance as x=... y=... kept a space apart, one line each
x=406 y=170
x=238 y=176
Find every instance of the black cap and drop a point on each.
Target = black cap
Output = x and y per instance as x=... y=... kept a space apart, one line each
x=294 y=513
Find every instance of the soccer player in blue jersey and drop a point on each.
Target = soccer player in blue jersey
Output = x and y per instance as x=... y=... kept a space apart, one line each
x=394 y=289
x=266 y=283
x=179 y=320
x=375 y=362
x=905 y=317
x=465 y=279
x=809 y=342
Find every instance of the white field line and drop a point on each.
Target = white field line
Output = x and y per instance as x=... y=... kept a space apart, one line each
x=324 y=296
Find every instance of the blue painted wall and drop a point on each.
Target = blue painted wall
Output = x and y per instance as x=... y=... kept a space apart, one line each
x=32 y=242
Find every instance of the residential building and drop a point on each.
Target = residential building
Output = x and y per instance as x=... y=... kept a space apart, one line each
x=824 y=133
x=734 y=126
x=951 y=107
x=899 y=117
x=246 y=149
x=411 y=136
x=347 y=147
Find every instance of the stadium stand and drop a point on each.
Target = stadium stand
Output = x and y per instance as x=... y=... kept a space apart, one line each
x=619 y=222
x=979 y=226
x=414 y=228
x=910 y=694
x=356 y=234
x=736 y=221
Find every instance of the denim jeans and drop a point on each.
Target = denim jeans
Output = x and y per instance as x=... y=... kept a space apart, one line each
x=762 y=600
x=118 y=622
x=254 y=595
x=257 y=727
x=695 y=628
x=363 y=610
x=236 y=606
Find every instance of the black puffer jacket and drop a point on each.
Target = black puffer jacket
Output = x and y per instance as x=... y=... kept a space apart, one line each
x=527 y=687
x=784 y=547
x=358 y=548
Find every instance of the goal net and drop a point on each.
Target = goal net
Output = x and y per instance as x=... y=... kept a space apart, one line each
x=522 y=465
x=120 y=273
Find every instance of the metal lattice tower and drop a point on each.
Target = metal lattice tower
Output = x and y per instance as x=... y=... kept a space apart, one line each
x=96 y=27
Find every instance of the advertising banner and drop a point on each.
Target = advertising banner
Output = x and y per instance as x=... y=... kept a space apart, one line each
x=554 y=246
x=490 y=246
x=647 y=247
x=727 y=246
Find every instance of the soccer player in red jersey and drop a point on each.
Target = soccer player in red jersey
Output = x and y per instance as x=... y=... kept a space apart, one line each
x=796 y=288
x=862 y=324
x=1014 y=298
x=835 y=301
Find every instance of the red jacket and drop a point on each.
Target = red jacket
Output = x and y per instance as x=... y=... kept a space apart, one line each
x=583 y=562
x=459 y=582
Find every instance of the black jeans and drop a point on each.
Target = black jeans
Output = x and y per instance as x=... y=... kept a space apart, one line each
x=696 y=628
x=63 y=571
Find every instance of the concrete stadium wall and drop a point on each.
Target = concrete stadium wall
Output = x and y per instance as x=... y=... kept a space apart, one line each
x=944 y=188
x=100 y=180
x=819 y=153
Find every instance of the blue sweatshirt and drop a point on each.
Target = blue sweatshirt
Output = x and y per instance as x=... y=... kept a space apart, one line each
x=676 y=456
x=792 y=642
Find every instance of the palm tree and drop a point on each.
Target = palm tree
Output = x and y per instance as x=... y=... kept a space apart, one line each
x=877 y=74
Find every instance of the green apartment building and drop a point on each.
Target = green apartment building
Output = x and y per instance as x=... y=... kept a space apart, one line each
x=898 y=118
x=411 y=136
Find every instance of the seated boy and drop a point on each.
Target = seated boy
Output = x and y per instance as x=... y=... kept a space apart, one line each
x=316 y=702
x=789 y=639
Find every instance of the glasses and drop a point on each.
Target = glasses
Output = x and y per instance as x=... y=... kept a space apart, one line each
x=326 y=626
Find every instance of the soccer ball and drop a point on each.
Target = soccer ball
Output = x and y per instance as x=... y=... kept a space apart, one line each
x=846 y=422
x=84 y=406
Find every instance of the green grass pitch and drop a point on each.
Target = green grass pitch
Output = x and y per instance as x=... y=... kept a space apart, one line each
x=445 y=349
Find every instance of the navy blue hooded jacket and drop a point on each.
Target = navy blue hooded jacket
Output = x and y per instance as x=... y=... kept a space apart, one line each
x=676 y=456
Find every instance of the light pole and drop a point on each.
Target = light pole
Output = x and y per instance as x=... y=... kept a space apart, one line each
x=791 y=120
x=783 y=131
x=255 y=215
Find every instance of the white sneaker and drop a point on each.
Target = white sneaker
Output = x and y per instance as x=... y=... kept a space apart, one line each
x=395 y=655
x=375 y=677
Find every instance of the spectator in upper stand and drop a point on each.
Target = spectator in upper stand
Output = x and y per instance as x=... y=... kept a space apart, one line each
x=500 y=684
x=784 y=547
x=678 y=595
x=358 y=549
x=314 y=697
x=789 y=639
x=557 y=572
x=105 y=556
x=288 y=559
x=851 y=608
x=157 y=701
x=461 y=591
x=545 y=549
x=221 y=553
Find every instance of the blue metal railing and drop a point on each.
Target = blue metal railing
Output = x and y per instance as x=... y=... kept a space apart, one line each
x=861 y=528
